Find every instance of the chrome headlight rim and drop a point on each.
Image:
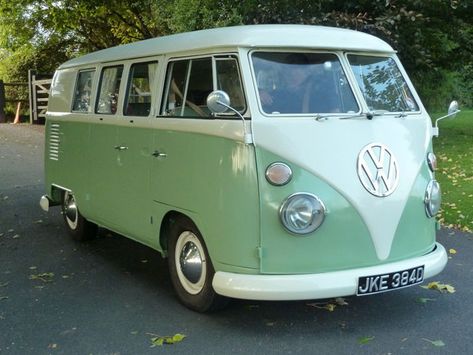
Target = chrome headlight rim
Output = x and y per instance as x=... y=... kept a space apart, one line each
x=275 y=165
x=312 y=227
x=432 y=161
x=431 y=210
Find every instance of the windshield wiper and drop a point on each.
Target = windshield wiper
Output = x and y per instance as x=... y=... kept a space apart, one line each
x=402 y=114
x=369 y=115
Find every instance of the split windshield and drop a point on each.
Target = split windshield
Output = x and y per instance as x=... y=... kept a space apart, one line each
x=382 y=84
x=315 y=83
x=302 y=83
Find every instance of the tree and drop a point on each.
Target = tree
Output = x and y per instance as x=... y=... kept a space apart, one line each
x=432 y=37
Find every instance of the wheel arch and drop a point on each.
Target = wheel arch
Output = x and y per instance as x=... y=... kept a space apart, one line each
x=167 y=221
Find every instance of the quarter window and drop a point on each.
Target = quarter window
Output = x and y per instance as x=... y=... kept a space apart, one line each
x=82 y=93
x=109 y=90
x=141 y=89
x=228 y=80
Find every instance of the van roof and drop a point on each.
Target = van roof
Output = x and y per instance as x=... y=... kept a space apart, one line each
x=250 y=36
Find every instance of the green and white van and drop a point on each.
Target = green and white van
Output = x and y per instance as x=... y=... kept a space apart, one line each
x=269 y=162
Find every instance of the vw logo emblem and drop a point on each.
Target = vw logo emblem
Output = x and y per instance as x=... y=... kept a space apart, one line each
x=378 y=170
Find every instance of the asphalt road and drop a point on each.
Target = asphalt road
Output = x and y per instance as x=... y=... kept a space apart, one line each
x=110 y=296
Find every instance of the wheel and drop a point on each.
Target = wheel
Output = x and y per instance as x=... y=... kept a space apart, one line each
x=191 y=268
x=78 y=227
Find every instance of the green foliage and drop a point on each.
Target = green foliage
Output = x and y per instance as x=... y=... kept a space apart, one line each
x=455 y=170
x=433 y=38
x=437 y=88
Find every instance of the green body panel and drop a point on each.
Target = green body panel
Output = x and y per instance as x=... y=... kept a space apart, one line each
x=214 y=180
x=101 y=188
x=415 y=234
x=133 y=167
x=343 y=241
x=68 y=171
x=210 y=179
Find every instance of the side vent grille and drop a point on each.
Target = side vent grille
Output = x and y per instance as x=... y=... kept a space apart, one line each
x=54 y=142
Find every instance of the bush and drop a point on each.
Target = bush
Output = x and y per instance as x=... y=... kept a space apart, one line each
x=438 y=88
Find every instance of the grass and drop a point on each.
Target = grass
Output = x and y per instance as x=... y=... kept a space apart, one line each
x=454 y=150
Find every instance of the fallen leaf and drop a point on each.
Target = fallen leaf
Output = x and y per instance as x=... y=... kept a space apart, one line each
x=330 y=307
x=425 y=300
x=45 y=277
x=157 y=340
x=33 y=267
x=327 y=306
x=365 y=340
x=144 y=261
x=250 y=307
x=16 y=236
x=452 y=251
x=3 y=298
x=436 y=285
x=437 y=343
x=341 y=301
x=11 y=230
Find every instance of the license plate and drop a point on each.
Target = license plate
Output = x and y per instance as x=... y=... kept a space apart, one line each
x=368 y=285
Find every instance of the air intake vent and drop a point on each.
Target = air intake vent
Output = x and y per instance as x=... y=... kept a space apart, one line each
x=54 y=142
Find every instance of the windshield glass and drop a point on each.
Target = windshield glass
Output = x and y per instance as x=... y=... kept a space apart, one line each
x=382 y=84
x=302 y=83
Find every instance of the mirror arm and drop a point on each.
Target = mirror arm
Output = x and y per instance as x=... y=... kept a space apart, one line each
x=248 y=138
x=435 y=129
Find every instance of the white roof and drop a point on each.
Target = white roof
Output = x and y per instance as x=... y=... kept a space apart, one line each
x=250 y=36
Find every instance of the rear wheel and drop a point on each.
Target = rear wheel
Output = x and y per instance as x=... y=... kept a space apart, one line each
x=191 y=268
x=78 y=227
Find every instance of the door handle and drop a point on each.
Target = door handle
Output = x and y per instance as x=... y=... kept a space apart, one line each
x=158 y=154
x=121 y=147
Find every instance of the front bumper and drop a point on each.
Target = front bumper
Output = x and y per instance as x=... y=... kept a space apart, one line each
x=313 y=286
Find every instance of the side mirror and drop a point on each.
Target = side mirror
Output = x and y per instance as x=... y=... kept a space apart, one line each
x=452 y=112
x=218 y=101
x=453 y=108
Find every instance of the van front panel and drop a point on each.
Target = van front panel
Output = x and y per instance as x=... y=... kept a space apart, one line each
x=359 y=228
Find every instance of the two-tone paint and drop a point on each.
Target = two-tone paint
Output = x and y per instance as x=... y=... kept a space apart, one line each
x=129 y=174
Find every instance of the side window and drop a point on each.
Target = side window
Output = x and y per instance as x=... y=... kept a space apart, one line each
x=188 y=84
x=109 y=88
x=190 y=81
x=141 y=87
x=83 y=91
x=228 y=80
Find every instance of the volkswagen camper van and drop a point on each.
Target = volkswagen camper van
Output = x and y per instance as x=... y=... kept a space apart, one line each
x=266 y=162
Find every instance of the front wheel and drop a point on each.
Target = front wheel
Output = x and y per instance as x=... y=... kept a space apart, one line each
x=191 y=269
x=78 y=227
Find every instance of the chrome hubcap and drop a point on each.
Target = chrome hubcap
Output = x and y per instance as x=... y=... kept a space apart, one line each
x=190 y=262
x=70 y=210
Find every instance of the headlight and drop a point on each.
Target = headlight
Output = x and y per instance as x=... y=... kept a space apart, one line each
x=302 y=213
x=432 y=198
x=278 y=174
x=432 y=161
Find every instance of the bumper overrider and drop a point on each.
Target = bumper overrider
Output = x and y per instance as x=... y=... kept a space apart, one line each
x=314 y=286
